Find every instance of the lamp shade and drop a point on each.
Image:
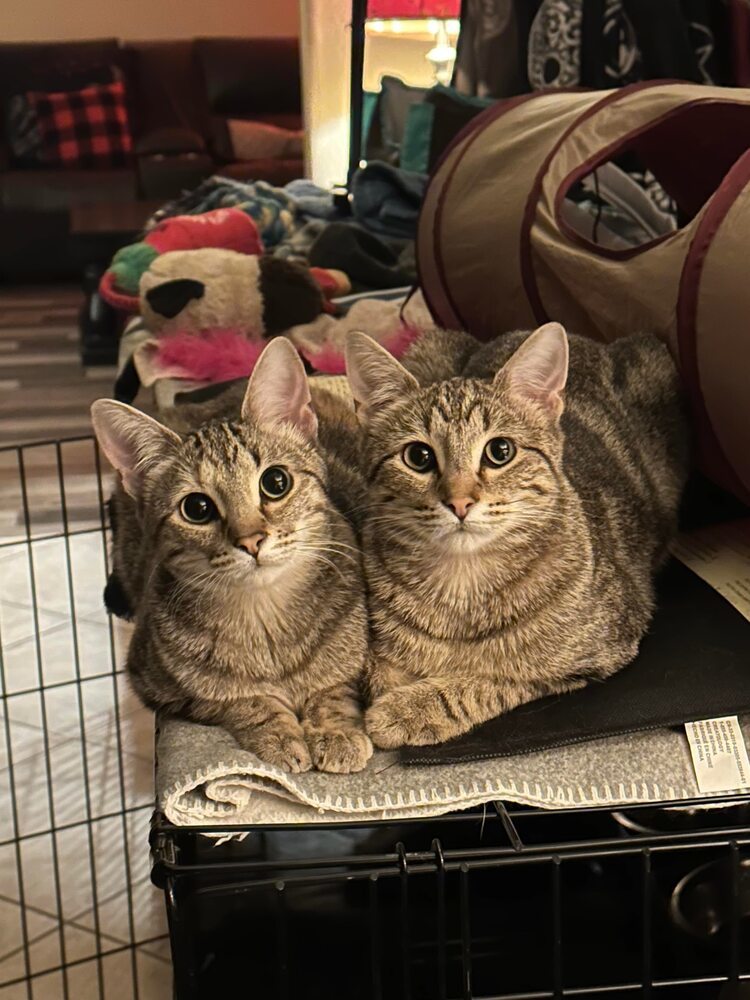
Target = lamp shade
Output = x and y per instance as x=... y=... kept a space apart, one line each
x=385 y=9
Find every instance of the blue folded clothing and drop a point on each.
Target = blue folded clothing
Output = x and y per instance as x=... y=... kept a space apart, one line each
x=387 y=200
x=311 y=200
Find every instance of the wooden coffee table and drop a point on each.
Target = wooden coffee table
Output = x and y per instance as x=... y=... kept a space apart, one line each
x=112 y=218
x=98 y=230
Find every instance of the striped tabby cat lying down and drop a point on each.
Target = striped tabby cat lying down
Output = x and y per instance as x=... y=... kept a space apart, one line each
x=243 y=572
x=522 y=495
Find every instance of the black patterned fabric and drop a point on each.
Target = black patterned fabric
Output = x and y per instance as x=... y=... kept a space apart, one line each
x=24 y=137
x=509 y=47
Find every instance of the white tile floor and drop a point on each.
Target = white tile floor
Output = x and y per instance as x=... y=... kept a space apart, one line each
x=82 y=892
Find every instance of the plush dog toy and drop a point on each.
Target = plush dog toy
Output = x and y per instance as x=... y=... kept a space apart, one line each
x=224 y=228
x=209 y=311
x=191 y=291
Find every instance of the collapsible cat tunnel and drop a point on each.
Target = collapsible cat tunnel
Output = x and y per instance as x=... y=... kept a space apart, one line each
x=496 y=253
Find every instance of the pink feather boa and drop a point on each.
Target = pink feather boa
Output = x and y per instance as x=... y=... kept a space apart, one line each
x=224 y=354
x=330 y=361
x=211 y=356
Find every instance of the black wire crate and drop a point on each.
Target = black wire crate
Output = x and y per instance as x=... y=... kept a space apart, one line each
x=78 y=915
x=497 y=903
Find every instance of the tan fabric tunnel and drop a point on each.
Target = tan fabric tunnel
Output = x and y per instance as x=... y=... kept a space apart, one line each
x=495 y=252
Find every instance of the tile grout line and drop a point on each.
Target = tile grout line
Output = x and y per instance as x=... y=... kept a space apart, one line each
x=74 y=921
x=67 y=741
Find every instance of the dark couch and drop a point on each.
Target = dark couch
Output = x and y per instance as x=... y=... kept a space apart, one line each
x=180 y=95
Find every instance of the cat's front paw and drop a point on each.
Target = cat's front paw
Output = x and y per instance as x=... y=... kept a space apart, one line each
x=407 y=718
x=285 y=750
x=339 y=751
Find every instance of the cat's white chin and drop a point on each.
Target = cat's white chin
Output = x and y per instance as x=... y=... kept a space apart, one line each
x=465 y=539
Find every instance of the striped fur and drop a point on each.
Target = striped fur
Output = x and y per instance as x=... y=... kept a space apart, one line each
x=548 y=583
x=271 y=648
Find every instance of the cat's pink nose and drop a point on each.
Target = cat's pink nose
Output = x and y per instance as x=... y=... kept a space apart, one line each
x=460 y=506
x=251 y=543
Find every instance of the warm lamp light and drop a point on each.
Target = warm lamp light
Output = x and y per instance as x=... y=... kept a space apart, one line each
x=404 y=9
x=439 y=17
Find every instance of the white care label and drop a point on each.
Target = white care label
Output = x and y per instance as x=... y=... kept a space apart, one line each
x=719 y=754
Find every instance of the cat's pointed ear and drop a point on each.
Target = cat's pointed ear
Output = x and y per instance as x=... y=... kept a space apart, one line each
x=539 y=368
x=375 y=376
x=132 y=441
x=278 y=391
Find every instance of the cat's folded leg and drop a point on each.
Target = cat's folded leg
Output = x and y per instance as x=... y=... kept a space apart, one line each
x=334 y=729
x=433 y=711
x=269 y=729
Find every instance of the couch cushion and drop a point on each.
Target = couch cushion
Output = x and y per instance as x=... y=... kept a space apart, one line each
x=253 y=140
x=452 y=112
x=388 y=124
x=46 y=190
x=172 y=140
x=37 y=65
x=245 y=77
x=221 y=142
x=168 y=87
x=167 y=176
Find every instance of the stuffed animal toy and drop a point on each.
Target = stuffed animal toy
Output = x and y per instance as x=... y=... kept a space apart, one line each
x=209 y=311
x=225 y=228
x=190 y=291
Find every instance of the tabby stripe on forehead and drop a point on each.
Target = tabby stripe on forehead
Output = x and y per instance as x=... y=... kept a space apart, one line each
x=473 y=405
x=236 y=431
x=195 y=442
x=447 y=417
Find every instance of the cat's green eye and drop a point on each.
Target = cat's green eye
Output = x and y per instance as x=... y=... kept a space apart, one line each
x=197 y=508
x=499 y=451
x=275 y=483
x=419 y=457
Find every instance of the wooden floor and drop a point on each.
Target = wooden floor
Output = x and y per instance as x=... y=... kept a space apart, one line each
x=45 y=392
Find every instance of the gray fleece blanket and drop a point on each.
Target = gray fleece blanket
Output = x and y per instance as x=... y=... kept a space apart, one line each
x=205 y=779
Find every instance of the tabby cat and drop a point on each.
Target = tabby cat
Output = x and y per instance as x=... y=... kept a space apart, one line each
x=515 y=522
x=244 y=575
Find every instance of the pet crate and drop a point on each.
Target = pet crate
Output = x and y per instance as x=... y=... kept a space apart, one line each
x=499 y=902
x=78 y=915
